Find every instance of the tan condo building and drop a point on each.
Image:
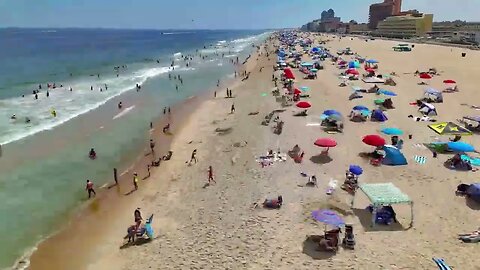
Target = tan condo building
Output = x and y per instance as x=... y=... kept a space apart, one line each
x=405 y=26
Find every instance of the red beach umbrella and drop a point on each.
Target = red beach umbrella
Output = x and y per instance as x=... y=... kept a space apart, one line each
x=297 y=92
x=449 y=81
x=374 y=140
x=425 y=76
x=353 y=71
x=325 y=142
x=303 y=105
x=288 y=73
x=370 y=70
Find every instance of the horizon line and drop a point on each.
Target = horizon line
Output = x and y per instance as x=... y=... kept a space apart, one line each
x=151 y=29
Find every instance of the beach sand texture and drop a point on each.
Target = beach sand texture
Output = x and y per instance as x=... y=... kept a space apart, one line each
x=215 y=227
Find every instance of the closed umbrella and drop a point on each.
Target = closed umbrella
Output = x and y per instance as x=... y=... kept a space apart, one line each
x=460 y=147
x=355 y=169
x=449 y=82
x=328 y=217
x=374 y=140
x=392 y=131
x=303 y=105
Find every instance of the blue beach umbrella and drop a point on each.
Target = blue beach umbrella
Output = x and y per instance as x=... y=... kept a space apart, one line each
x=355 y=169
x=372 y=61
x=328 y=217
x=386 y=92
x=392 y=131
x=305 y=88
x=353 y=64
x=360 y=108
x=330 y=112
x=460 y=147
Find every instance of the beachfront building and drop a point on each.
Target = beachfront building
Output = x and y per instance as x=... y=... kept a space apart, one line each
x=457 y=32
x=381 y=11
x=405 y=26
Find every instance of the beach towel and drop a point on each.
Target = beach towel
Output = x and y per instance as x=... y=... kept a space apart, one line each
x=420 y=159
x=441 y=264
x=420 y=146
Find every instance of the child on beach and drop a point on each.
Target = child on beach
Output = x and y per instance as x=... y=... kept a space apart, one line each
x=194 y=156
x=210 y=175
x=89 y=189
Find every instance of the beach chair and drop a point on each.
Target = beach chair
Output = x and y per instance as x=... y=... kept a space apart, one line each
x=349 y=239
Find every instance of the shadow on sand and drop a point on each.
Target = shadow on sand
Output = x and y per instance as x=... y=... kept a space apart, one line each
x=365 y=218
x=311 y=248
x=138 y=242
x=472 y=204
x=321 y=159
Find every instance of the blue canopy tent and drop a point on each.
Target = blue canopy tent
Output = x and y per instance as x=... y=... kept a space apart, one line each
x=386 y=92
x=379 y=116
x=393 y=156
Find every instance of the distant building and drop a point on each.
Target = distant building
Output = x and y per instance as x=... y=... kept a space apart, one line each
x=327 y=15
x=457 y=32
x=381 y=11
x=358 y=28
x=405 y=26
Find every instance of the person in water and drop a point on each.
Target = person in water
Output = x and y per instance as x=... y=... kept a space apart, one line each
x=13 y=117
x=54 y=113
x=89 y=189
x=120 y=105
x=27 y=120
x=92 y=154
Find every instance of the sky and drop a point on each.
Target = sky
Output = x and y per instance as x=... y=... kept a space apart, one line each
x=206 y=14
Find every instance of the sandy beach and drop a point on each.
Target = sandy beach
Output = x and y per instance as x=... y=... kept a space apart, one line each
x=201 y=226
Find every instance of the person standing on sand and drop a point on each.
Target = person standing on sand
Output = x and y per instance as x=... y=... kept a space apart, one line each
x=168 y=109
x=194 y=156
x=164 y=110
x=232 y=109
x=210 y=175
x=152 y=146
x=215 y=94
x=89 y=189
x=135 y=181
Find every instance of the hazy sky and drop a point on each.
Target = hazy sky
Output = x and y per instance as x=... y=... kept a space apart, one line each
x=206 y=14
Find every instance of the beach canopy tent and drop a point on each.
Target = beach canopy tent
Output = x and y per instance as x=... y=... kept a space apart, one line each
x=379 y=116
x=393 y=156
x=473 y=192
x=392 y=131
x=460 y=147
x=449 y=128
x=381 y=194
x=354 y=64
x=288 y=73
x=428 y=109
x=434 y=95
x=475 y=118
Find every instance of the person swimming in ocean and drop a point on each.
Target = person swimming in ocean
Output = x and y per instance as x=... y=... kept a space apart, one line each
x=92 y=154
x=36 y=96
x=120 y=105
x=13 y=117
x=54 y=113
x=27 y=120
x=48 y=93
x=106 y=87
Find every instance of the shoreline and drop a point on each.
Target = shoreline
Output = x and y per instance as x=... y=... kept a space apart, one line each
x=55 y=248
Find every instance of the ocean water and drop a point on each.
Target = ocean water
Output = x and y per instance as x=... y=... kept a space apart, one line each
x=44 y=163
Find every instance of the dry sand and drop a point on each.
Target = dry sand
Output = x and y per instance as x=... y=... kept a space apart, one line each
x=215 y=227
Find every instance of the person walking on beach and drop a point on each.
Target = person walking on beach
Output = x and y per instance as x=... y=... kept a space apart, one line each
x=194 y=156
x=210 y=175
x=215 y=94
x=48 y=93
x=168 y=109
x=89 y=189
x=232 y=109
x=164 y=110
x=135 y=181
x=152 y=146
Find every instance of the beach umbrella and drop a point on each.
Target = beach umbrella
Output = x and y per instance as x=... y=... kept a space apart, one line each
x=331 y=112
x=372 y=61
x=360 y=108
x=303 y=105
x=297 y=92
x=328 y=217
x=352 y=71
x=325 y=142
x=425 y=76
x=386 y=92
x=314 y=70
x=460 y=147
x=334 y=117
x=449 y=82
x=370 y=70
x=353 y=64
x=374 y=140
x=392 y=131
x=304 y=88
x=355 y=169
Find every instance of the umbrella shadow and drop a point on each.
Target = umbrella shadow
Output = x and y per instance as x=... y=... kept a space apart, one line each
x=311 y=248
x=365 y=155
x=365 y=218
x=321 y=159
x=472 y=204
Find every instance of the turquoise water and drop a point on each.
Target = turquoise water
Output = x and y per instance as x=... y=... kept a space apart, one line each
x=44 y=165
